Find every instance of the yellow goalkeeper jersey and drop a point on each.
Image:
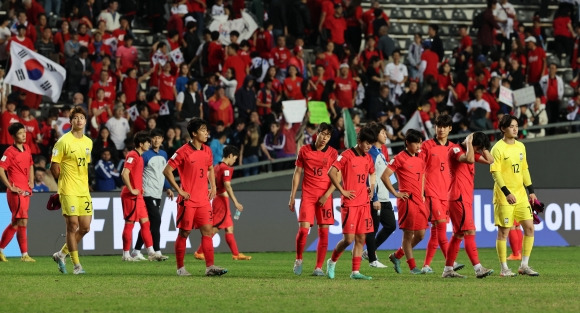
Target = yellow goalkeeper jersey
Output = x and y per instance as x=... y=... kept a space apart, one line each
x=510 y=161
x=74 y=155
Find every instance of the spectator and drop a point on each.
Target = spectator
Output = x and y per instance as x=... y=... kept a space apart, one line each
x=274 y=142
x=123 y=31
x=215 y=53
x=277 y=14
x=217 y=145
x=172 y=140
x=386 y=44
x=436 y=43
x=218 y=8
x=245 y=98
x=198 y=9
x=175 y=22
x=553 y=89
x=369 y=16
x=237 y=133
x=22 y=20
x=41 y=24
x=345 y=88
x=127 y=56
x=111 y=16
x=337 y=26
x=39 y=175
x=293 y=85
x=379 y=21
x=5 y=35
x=229 y=82
x=537 y=116
x=374 y=80
x=140 y=122
x=264 y=40
x=192 y=42
x=86 y=10
x=536 y=61
x=221 y=108
x=505 y=16
x=103 y=142
x=316 y=84
x=118 y=127
x=479 y=111
x=300 y=26
x=298 y=61
x=45 y=46
x=79 y=71
x=485 y=37
x=84 y=37
x=60 y=38
x=280 y=56
x=32 y=130
x=329 y=61
x=72 y=46
x=354 y=24
x=21 y=38
x=563 y=32
x=110 y=92
x=235 y=62
x=429 y=62
x=106 y=173
x=250 y=149
x=265 y=98
x=397 y=75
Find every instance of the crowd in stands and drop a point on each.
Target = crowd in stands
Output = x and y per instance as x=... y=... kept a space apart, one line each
x=319 y=50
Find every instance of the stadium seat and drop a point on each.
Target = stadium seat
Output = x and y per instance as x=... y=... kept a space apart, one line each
x=396 y=29
x=458 y=15
x=549 y=31
x=568 y=91
x=450 y=44
x=525 y=16
x=438 y=14
x=435 y=1
x=399 y=1
x=397 y=13
x=418 y=2
x=565 y=61
x=458 y=1
x=408 y=43
x=418 y=14
x=568 y=76
x=414 y=28
x=444 y=30
x=453 y=30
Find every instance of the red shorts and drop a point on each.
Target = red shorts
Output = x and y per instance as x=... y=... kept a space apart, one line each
x=222 y=217
x=356 y=219
x=461 y=214
x=438 y=209
x=412 y=214
x=189 y=216
x=18 y=205
x=309 y=208
x=134 y=208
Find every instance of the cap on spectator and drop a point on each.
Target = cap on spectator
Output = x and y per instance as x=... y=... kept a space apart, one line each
x=53 y=203
x=180 y=9
x=343 y=65
x=382 y=113
x=427 y=43
x=531 y=39
x=481 y=58
x=297 y=49
x=190 y=19
x=494 y=74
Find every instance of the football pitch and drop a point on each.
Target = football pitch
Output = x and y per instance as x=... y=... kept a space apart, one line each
x=267 y=284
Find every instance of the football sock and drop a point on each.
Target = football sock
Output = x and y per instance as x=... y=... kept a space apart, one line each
x=520 y=241
x=477 y=266
x=452 y=251
x=22 y=240
x=471 y=249
x=146 y=235
x=528 y=245
x=442 y=238
x=74 y=256
x=399 y=253
x=207 y=246
x=431 y=246
x=64 y=250
x=322 y=247
x=127 y=236
x=126 y=254
x=301 y=241
x=231 y=240
x=180 y=243
x=513 y=239
x=7 y=236
x=199 y=249
x=501 y=248
x=335 y=255
x=356 y=263
x=411 y=263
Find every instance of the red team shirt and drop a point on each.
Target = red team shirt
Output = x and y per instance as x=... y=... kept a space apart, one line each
x=281 y=56
x=355 y=170
x=223 y=173
x=316 y=165
x=7 y=120
x=345 y=88
x=134 y=163
x=293 y=88
x=17 y=165
x=436 y=157
x=110 y=93
x=410 y=171
x=535 y=64
x=32 y=132
x=192 y=166
x=461 y=190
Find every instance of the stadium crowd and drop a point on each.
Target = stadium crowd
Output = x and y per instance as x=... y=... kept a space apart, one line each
x=355 y=65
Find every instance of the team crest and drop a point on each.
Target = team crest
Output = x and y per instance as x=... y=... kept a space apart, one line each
x=506 y=220
x=324 y=162
x=72 y=208
x=87 y=151
x=521 y=156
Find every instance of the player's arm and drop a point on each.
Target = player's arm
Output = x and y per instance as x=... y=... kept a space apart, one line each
x=211 y=178
x=498 y=178
x=168 y=172
x=295 y=182
x=328 y=193
x=528 y=184
x=7 y=183
x=469 y=155
x=230 y=191
x=385 y=178
x=126 y=176
x=485 y=157
x=334 y=175
x=31 y=177
x=373 y=185
x=55 y=170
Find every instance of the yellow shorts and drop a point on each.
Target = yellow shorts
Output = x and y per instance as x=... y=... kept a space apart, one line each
x=76 y=205
x=504 y=215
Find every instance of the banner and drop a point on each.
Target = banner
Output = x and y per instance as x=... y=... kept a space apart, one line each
x=416 y=123
x=349 y=130
x=246 y=26
x=35 y=72
x=294 y=110
x=525 y=95
x=506 y=96
x=176 y=56
x=318 y=112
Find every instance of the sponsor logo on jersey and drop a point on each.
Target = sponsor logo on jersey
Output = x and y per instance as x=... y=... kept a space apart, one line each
x=130 y=160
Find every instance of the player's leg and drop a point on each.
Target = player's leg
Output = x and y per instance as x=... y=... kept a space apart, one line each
x=127 y=240
x=451 y=256
x=232 y=243
x=147 y=238
x=84 y=225
x=528 y=244
x=387 y=219
x=13 y=200
x=324 y=217
x=433 y=242
x=371 y=251
x=407 y=246
x=184 y=224
x=21 y=236
x=346 y=240
x=203 y=220
x=504 y=219
x=516 y=240
x=305 y=221
x=359 y=242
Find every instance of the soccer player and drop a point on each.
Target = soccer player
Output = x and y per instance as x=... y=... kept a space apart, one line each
x=222 y=217
x=71 y=156
x=475 y=148
x=355 y=166
x=434 y=152
x=314 y=161
x=510 y=174
x=154 y=162
x=134 y=208
x=17 y=172
x=381 y=210
x=193 y=162
x=413 y=215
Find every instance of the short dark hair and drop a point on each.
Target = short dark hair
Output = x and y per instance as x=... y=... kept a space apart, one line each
x=481 y=140
x=506 y=121
x=141 y=137
x=156 y=132
x=367 y=134
x=229 y=149
x=194 y=125
x=14 y=128
x=443 y=120
x=77 y=110
x=324 y=127
x=435 y=27
x=377 y=127
x=215 y=35
x=235 y=33
x=37 y=168
x=413 y=136
x=234 y=46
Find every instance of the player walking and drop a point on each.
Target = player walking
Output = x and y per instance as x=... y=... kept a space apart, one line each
x=475 y=148
x=71 y=156
x=314 y=161
x=134 y=208
x=17 y=172
x=413 y=215
x=510 y=174
x=355 y=166
x=222 y=216
x=193 y=162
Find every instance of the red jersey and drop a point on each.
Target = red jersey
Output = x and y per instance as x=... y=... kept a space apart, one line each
x=410 y=171
x=223 y=173
x=264 y=43
x=215 y=55
x=104 y=116
x=192 y=165
x=435 y=155
x=32 y=132
x=561 y=26
x=536 y=59
x=281 y=57
x=432 y=59
x=239 y=66
x=130 y=87
x=355 y=169
x=7 y=120
x=465 y=42
x=110 y=92
x=17 y=165
x=265 y=97
x=328 y=8
x=316 y=94
x=84 y=40
x=345 y=88
x=330 y=64
x=293 y=88
x=167 y=86
x=337 y=27
x=462 y=175
x=316 y=165
x=134 y=163
x=195 y=6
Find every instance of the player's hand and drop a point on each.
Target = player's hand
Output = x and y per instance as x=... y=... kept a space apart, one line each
x=370 y=192
x=511 y=199
x=469 y=138
x=349 y=194
x=135 y=192
x=15 y=189
x=533 y=197
x=376 y=205
x=402 y=195
x=183 y=194
x=322 y=200
x=239 y=206
x=170 y=194
x=211 y=193
x=291 y=204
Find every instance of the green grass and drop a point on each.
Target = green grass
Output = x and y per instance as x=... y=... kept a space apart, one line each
x=267 y=284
